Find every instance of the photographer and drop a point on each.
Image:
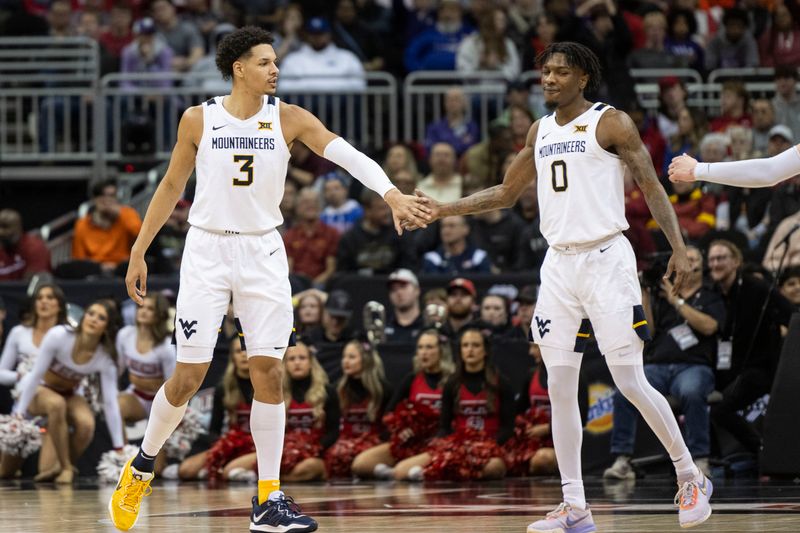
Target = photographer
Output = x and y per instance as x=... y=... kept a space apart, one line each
x=679 y=361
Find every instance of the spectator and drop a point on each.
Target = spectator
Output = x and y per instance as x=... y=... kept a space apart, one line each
x=373 y=246
x=679 y=361
x=517 y=94
x=305 y=166
x=671 y=100
x=265 y=13
x=497 y=232
x=405 y=181
x=655 y=54
x=461 y=298
x=329 y=339
x=520 y=121
x=206 y=67
x=786 y=102
x=785 y=200
x=682 y=39
x=785 y=240
x=790 y=286
x=21 y=254
x=763 y=120
x=203 y=17
x=400 y=157
x=116 y=36
x=167 y=249
x=541 y=35
x=309 y=310
x=522 y=18
x=310 y=243
x=733 y=104
x=696 y=211
x=415 y=19
x=105 y=235
x=350 y=33
x=443 y=184
x=495 y=318
x=182 y=36
x=321 y=65
x=692 y=125
x=59 y=19
x=637 y=212
x=435 y=48
x=341 y=212
x=532 y=244
x=435 y=302
x=482 y=163
x=735 y=47
x=741 y=142
x=148 y=53
x=781 y=44
x=526 y=305
x=405 y=322
x=456 y=255
x=749 y=345
x=455 y=128
x=287 y=34
x=288 y=205
x=651 y=136
x=489 y=49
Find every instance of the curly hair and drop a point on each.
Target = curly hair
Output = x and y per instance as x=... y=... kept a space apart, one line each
x=237 y=45
x=577 y=55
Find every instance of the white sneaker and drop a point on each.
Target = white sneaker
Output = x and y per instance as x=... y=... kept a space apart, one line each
x=565 y=519
x=171 y=471
x=692 y=501
x=416 y=473
x=621 y=469
x=383 y=471
x=242 y=474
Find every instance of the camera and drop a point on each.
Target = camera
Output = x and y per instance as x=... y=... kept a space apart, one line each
x=653 y=275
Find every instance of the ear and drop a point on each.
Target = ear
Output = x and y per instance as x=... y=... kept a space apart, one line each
x=584 y=81
x=238 y=68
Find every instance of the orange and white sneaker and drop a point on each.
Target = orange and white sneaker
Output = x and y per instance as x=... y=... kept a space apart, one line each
x=692 y=501
x=131 y=488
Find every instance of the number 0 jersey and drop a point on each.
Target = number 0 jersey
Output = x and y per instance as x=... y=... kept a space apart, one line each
x=241 y=170
x=580 y=185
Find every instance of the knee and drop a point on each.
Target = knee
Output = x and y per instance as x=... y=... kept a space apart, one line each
x=84 y=426
x=268 y=373
x=494 y=469
x=543 y=461
x=182 y=387
x=362 y=466
x=56 y=408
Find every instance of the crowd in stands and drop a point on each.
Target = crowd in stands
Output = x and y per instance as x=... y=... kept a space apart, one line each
x=708 y=338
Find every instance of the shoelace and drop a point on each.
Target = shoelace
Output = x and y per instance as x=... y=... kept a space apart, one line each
x=134 y=491
x=287 y=502
x=562 y=508
x=687 y=493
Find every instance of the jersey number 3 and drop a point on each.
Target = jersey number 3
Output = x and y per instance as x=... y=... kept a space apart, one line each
x=559 y=173
x=246 y=168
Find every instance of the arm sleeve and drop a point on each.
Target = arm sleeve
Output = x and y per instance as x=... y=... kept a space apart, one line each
x=8 y=361
x=752 y=172
x=47 y=352
x=401 y=393
x=358 y=165
x=332 y=415
x=108 y=385
x=507 y=414
x=446 y=416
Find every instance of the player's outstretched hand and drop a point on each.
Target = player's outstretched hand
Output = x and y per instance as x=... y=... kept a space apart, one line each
x=682 y=168
x=137 y=274
x=433 y=212
x=409 y=212
x=678 y=265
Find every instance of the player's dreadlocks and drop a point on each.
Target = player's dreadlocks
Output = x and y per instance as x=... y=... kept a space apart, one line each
x=577 y=55
x=237 y=45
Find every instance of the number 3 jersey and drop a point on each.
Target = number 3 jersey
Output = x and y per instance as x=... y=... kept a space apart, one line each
x=580 y=184
x=241 y=170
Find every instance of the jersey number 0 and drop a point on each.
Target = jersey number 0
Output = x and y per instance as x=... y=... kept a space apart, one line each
x=246 y=168
x=559 y=173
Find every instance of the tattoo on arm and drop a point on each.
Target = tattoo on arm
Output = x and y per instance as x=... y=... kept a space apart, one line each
x=479 y=202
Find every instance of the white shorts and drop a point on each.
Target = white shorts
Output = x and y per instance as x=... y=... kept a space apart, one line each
x=251 y=269
x=592 y=289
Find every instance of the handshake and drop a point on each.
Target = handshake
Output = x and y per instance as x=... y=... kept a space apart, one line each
x=412 y=212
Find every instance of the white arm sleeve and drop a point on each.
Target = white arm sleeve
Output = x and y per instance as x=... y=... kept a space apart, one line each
x=108 y=386
x=8 y=361
x=752 y=172
x=360 y=166
x=51 y=342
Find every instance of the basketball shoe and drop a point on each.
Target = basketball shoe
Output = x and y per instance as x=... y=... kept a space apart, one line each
x=279 y=514
x=692 y=501
x=131 y=488
x=565 y=519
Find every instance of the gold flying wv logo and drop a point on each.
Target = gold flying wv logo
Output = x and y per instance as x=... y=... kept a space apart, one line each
x=580 y=129
x=265 y=126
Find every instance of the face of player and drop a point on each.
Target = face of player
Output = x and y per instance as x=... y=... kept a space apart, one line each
x=309 y=311
x=239 y=358
x=493 y=311
x=429 y=353
x=791 y=290
x=403 y=295
x=46 y=303
x=146 y=314
x=721 y=263
x=562 y=83
x=298 y=362
x=95 y=320
x=473 y=352
x=259 y=71
x=352 y=363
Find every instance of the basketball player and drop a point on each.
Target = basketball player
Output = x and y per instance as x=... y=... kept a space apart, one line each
x=580 y=153
x=239 y=145
x=747 y=173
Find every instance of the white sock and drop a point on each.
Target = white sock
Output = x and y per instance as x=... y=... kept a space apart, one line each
x=567 y=428
x=164 y=418
x=632 y=383
x=267 y=425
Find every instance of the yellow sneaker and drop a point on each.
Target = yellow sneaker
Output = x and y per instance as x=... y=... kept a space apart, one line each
x=124 y=504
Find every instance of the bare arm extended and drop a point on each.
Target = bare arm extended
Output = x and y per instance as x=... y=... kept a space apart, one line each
x=764 y=172
x=166 y=196
x=617 y=130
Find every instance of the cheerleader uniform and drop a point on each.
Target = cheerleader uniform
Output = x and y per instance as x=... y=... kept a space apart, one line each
x=356 y=431
x=237 y=440
x=533 y=408
x=416 y=405
x=470 y=433
x=306 y=436
x=158 y=363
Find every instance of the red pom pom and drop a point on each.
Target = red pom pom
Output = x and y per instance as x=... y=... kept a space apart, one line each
x=339 y=457
x=520 y=448
x=299 y=446
x=461 y=456
x=233 y=444
x=420 y=418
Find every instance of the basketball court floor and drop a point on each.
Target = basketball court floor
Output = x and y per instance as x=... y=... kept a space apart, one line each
x=507 y=506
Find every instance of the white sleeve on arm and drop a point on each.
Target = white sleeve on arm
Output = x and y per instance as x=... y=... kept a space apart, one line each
x=8 y=361
x=108 y=386
x=752 y=172
x=47 y=352
x=360 y=166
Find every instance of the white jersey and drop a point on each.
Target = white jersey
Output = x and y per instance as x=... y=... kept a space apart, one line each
x=159 y=362
x=19 y=353
x=580 y=184
x=241 y=170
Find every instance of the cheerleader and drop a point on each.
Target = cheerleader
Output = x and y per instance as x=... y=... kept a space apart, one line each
x=414 y=409
x=477 y=418
x=48 y=308
x=65 y=357
x=233 y=397
x=363 y=396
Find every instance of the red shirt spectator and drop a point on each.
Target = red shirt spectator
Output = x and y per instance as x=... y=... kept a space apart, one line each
x=734 y=103
x=21 y=254
x=311 y=244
